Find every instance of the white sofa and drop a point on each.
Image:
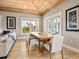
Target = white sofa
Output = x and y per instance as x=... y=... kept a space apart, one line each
x=6 y=44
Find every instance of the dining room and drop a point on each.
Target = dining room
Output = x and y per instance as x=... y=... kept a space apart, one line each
x=45 y=29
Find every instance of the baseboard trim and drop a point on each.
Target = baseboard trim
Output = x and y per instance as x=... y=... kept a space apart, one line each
x=71 y=48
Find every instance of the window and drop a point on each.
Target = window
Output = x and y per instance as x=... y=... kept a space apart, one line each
x=25 y=26
x=53 y=23
x=29 y=25
x=34 y=25
x=56 y=25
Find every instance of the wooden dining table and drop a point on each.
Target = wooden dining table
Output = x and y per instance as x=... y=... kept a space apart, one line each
x=42 y=38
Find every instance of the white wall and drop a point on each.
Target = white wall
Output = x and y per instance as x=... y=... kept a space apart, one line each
x=70 y=38
x=0 y=22
x=18 y=20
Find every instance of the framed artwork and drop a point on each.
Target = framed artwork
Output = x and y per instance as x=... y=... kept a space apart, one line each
x=11 y=22
x=72 y=19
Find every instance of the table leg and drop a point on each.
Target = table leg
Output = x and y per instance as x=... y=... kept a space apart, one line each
x=62 y=54
x=29 y=45
x=42 y=48
x=39 y=45
x=50 y=50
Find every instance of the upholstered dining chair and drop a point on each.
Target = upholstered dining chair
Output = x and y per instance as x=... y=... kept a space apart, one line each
x=55 y=45
x=29 y=37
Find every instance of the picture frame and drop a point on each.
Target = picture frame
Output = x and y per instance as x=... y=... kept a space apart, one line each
x=11 y=22
x=72 y=19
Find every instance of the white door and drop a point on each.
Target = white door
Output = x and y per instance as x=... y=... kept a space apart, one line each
x=57 y=25
x=54 y=23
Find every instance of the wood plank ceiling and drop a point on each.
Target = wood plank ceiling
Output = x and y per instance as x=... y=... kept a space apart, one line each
x=28 y=6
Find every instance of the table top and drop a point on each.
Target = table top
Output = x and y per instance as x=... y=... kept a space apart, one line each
x=42 y=36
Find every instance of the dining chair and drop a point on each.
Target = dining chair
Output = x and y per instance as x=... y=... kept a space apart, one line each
x=29 y=37
x=55 y=45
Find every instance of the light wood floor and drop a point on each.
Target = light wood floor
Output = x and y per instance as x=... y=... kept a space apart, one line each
x=19 y=51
